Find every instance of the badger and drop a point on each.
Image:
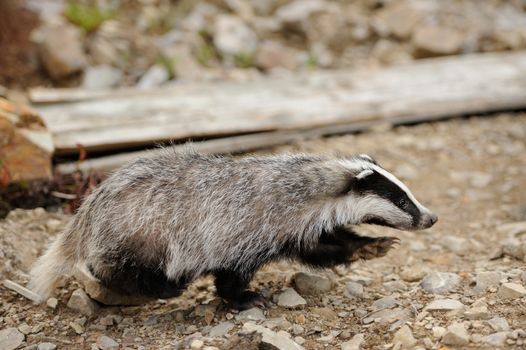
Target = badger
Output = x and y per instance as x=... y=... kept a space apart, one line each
x=163 y=220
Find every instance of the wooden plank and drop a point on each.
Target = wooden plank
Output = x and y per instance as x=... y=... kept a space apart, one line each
x=237 y=144
x=445 y=86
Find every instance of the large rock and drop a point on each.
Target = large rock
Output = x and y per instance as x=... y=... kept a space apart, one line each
x=234 y=37
x=61 y=51
x=26 y=146
x=429 y=41
x=10 y=339
x=307 y=283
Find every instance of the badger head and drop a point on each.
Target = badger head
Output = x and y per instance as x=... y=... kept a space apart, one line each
x=380 y=198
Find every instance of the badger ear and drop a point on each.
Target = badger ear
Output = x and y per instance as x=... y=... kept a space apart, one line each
x=364 y=173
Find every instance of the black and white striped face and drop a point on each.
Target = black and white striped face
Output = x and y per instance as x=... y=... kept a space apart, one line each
x=384 y=200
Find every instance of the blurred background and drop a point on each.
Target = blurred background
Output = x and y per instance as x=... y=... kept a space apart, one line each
x=149 y=43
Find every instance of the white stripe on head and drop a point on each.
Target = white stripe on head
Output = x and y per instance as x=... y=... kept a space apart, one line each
x=402 y=186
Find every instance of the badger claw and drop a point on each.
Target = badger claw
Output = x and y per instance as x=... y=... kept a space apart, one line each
x=248 y=300
x=375 y=249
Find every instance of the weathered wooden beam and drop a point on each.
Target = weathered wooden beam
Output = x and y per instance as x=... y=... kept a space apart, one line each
x=445 y=86
x=236 y=144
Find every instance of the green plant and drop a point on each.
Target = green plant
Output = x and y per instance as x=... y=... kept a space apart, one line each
x=243 y=60
x=205 y=54
x=168 y=64
x=88 y=17
x=312 y=61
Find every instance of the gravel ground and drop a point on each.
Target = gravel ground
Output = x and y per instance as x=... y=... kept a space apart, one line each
x=457 y=285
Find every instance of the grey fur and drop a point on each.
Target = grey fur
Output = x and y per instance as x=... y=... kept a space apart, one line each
x=187 y=214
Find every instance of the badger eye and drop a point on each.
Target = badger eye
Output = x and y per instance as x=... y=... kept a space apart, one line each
x=401 y=203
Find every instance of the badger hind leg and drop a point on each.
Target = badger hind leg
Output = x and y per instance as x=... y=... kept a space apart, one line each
x=232 y=286
x=136 y=278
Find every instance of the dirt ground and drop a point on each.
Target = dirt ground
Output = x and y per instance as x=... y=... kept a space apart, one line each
x=471 y=172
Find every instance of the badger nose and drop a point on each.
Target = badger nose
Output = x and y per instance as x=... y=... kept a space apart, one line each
x=433 y=218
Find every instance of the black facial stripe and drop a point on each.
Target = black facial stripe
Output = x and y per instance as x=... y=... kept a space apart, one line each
x=381 y=186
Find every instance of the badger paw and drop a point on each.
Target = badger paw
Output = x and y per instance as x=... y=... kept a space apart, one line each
x=248 y=300
x=377 y=248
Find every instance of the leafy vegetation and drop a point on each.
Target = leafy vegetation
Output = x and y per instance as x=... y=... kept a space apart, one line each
x=88 y=17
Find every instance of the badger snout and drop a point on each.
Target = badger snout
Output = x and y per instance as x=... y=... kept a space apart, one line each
x=428 y=220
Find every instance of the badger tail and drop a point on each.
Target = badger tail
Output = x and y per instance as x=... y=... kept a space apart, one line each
x=48 y=269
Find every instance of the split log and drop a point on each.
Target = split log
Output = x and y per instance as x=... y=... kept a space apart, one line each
x=429 y=88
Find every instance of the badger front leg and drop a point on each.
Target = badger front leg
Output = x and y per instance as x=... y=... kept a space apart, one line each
x=232 y=286
x=343 y=246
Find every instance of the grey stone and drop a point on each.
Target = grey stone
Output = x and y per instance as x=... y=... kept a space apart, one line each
x=79 y=301
x=61 y=51
x=355 y=343
x=354 y=289
x=278 y=340
x=515 y=248
x=299 y=10
x=25 y=328
x=512 y=229
x=444 y=305
x=485 y=280
x=52 y=303
x=388 y=316
x=297 y=329
x=394 y=286
x=511 y=291
x=495 y=339
x=197 y=344
x=387 y=302
x=477 y=313
x=311 y=284
x=106 y=343
x=440 y=282
x=253 y=314
x=155 y=76
x=456 y=335
x=233 y=37
x=221 y=329
x=405 y=337
x=412 y=273
x=289 y=298
x=76 y=327
x=46 y=346
x=499 y=324
x=10 y=339
x=101 y=77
